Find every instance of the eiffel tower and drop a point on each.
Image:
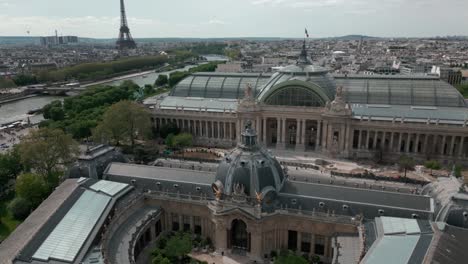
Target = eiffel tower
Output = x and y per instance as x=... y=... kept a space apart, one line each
x=125 y=40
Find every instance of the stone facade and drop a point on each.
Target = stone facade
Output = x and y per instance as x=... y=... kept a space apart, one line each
x=312 y=129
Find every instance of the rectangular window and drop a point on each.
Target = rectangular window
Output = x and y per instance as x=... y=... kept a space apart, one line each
x=158 y=228
x=186 y=220
x=197 y=225
x=305 y=243
x=175 y=222
x=320 y=245
x=292 y=240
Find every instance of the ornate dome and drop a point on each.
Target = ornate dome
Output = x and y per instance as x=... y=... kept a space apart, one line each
x=249 y=170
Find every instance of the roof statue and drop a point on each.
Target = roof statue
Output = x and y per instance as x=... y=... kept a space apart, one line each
x=249 y=99
x=248 y=94
x=338 y=106
x=259 y=197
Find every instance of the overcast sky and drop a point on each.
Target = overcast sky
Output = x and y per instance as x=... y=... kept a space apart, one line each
x=236 y=18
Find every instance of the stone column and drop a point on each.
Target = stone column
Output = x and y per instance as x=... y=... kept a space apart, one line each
x=367 y=139
x=392 y=135
x=220 y=236
x=304 y=132
x=229 y=131
x=382 y=140
x=407 y=146
x=189 y=125
x=255 y=244
x=219 y=130
x=312 y=244
x=400 y=136
x=298 y=132
x=460 y=149
x=264 y=131
x=376 y=136
x=349 y=138
x=444 y=139
x=319 y=134
x=278 y=131
x=359 y=139
x=299 y=241
x=281 y=134
x=424 y=147
x=238 y=130
x=327 y=247
x=416 y=147
x=324 y=135
x=284 y=131
x=206 y=129
x=258 y=128
x=452 y=146
x=192 y=225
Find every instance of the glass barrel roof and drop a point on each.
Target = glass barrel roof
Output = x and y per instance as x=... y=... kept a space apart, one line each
x=400 y=91
x=357 y=89
x=218 y=85
x=67 y=238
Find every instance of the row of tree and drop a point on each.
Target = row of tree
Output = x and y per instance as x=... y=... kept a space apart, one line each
x=97 y=70
x=176 y=77
x=80 y=114
x=463 y=88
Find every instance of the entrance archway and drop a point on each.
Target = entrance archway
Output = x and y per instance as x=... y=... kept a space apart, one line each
x=239 y=237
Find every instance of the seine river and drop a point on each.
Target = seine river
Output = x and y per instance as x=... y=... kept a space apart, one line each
x=17 y=110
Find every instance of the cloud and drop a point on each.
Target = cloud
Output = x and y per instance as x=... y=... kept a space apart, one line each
x=298 y=3
x=215 y=21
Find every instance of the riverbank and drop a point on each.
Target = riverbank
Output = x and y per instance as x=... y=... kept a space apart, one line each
x=20 y=97
x=119 y=78
x=13 y=136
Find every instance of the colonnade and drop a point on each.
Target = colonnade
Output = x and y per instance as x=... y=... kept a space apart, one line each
x=214 y=129
x=317 y=134
x=411 y=142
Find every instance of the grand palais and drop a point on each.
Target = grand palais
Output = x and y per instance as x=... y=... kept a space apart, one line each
x=303 y=107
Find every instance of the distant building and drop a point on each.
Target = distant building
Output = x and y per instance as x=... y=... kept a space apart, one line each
x=450 y=75
x=58 y=40
x=230 y=67
x=43 y=66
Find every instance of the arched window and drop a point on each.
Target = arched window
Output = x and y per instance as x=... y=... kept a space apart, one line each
x=295 y=96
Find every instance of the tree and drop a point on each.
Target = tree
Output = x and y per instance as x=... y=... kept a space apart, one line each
x=406 y=163
x=48 y=151
x=178 y=246
x=20 y=208
x=159 y=259
x=161 y=80
x=148 y=90
x=169 y=141
x=182 y=140
x=32 y=188
x=176 y=77
x=290 y=258
x=10 y=166
x=54 y=106
x=432 y=165
x=23 y=79
x=167 y=129
x=124 y=121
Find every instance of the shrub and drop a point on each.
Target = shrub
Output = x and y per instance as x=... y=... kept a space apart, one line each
x=20 y=208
